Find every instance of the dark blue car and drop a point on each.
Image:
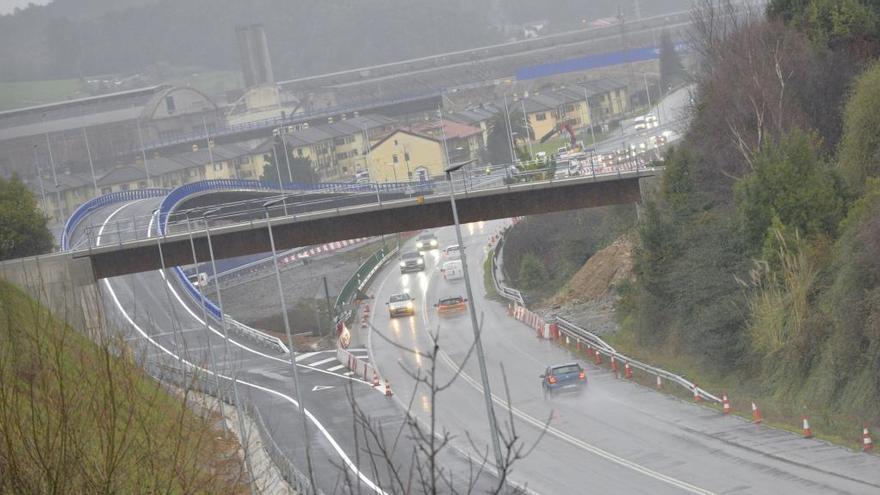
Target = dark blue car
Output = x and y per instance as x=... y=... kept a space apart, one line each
x=569 y=377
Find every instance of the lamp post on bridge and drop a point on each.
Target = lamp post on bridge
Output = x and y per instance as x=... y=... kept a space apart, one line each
x=478 y=342
x=285 y=318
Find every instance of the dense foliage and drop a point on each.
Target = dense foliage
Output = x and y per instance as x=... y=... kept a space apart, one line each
x=759 y=257
x=23 y=230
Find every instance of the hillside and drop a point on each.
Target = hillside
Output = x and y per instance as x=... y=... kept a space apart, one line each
x=75 y=418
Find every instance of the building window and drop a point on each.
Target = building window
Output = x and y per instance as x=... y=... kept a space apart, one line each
x=218 y=166
x=394 y=157
x=106 y=190
x=123 y=187
x=142 y=184
x=299 y=152
x=406 y=156
x=169 y=104
x=541 y=116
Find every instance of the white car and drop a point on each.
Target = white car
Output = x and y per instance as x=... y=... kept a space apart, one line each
x=401 y=305
x=426 y=241
x=452 y=252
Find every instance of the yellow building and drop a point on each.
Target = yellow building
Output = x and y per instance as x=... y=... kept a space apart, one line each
x=405 y=155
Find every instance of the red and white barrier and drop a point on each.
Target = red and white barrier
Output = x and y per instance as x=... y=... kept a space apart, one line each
x=323 y=249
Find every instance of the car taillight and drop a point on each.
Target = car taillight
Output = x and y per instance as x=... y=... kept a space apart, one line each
x=582 y=375
x=551 y=379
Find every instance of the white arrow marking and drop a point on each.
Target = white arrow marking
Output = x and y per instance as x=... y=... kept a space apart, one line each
x=318 y=388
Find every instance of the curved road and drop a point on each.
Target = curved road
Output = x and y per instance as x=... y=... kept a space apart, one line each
x=165 y=327
x=617 y=437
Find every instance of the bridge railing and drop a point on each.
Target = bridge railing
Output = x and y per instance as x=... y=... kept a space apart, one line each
x=84 y=209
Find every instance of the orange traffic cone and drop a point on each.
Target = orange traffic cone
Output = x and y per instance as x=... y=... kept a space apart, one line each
x=589 y=351
x=613 y=364
x=697 y=397
x=756 y=413
x=808 y=432
x=627 y=371
x=725 y=404
x=375 y=379
x=867 y=443
x=659 y=382
x=598 y=357
x=388 y=392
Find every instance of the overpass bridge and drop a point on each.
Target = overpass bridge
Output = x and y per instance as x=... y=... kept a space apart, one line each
x=359 y=214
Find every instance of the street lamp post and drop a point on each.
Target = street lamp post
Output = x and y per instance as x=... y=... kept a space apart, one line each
x=204 y=305
x=296 y=382
x=238 y=406
x=478 y=342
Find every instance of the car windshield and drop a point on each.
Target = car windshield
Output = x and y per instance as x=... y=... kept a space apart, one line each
x=410 y=256
x=450 y=300
x=399 y=297
x=566 y=369
x=426 y=237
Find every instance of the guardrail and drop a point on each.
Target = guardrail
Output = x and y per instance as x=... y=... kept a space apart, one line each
x=359 y=280
x=84 y=209
x=571 y=331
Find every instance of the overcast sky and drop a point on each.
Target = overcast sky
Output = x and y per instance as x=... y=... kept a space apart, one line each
x=6 y=6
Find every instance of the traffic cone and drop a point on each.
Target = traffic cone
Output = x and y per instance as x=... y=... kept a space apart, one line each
x=627 y=371
x=388 y=389
x=590 y=351
x=725 y=404
x=756 y=413
x=375 y=379
x=867 y=443
x=613 y=364
x=659 y=382
x=697 y=397
x=808 y=432
x=598 y=357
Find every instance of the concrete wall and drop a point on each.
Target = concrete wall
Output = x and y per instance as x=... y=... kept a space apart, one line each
x=63 y=284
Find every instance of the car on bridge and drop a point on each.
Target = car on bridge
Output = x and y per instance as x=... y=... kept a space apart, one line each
x=401 y=304
x=567 y=377
x=426 y=242
x=451 y=305
x=412 y=261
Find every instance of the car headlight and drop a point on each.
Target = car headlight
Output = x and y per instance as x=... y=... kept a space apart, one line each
x=433 y=242
x=421 y=261
x=409 y=305
x=403 y=263
x=419 y=245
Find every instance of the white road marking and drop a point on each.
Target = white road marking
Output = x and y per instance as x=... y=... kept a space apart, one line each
x=551 y=430
x=232 y=341
x=336 y=368
x=348 y=462
x=323 y=361
x=318 y=388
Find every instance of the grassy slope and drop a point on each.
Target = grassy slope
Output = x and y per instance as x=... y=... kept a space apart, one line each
x=74 y=418
x=22 y=94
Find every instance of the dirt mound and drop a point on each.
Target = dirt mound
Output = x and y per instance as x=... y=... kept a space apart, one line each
x=595 y=281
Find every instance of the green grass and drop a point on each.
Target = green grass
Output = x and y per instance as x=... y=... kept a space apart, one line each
x=775 y=412
x=488 y=282
x=28 y=93
x=93 y=417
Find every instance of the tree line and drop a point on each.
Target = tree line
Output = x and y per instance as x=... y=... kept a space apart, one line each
x=759 y=255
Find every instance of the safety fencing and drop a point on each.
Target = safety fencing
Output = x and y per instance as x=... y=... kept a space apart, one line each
x=359 y=281
x=564 y=331
x=84 y=209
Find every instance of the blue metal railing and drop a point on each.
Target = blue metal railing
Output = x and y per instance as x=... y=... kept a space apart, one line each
x=179 y=194
x=84 y=209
